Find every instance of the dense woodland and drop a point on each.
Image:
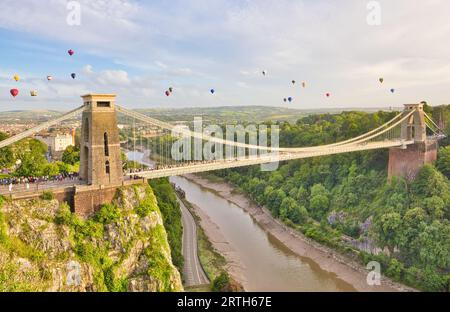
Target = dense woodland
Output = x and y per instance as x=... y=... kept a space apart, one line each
x=326 y=198
x=348 y=195
x=171 y=212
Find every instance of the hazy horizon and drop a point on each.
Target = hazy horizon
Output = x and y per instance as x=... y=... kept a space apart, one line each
x=138 y=50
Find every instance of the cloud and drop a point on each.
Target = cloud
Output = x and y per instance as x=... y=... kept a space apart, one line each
x=139 y=48
x=88 y=70
x=114 y=77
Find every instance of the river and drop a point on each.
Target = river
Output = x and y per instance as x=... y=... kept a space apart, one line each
x=268 y=264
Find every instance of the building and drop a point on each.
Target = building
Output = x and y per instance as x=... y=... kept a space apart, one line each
x=57 y=143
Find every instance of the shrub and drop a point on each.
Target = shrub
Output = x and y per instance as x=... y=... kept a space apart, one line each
x=47 y=195
x=395 y=270
x=108 y=213
x=220 y=283
x=64 y=215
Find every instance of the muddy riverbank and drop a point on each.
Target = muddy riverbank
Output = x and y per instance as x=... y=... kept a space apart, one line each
x=348 y=271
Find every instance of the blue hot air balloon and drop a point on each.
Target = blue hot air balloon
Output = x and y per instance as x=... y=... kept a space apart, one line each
x=290 y=99
x=212 y=91
x=392 y=90
x=73 y=75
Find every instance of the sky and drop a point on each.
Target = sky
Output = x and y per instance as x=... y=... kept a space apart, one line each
x=138 y=49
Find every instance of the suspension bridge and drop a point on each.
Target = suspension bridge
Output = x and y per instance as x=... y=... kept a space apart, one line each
x=411 y=137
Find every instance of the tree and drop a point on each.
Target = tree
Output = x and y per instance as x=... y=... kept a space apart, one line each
x=319 y=202
x=443 y=162
x=434 y=206
x=302 y=196
x=32 y=158
x=435 y=245
x=388 y=229
x=279 y=197
x=51 y=169
x=289 y=210
x=6 y=154
x=220 y=283
x=302 y=215
x=414 y=221
x=71 y=155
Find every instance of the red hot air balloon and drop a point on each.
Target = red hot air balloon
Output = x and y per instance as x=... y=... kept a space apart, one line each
x=167 y=93
x=328 y=94
x=71 y=52
x=14 y=92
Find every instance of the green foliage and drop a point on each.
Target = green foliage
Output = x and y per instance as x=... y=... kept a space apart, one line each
x=90 y=245
x=13 y=279
x=31 y=154
x=71 y=155
x=319 y=202
x=220 y=283
x=108 y=213
x=171 y=213
x=348 y=194
x=6 y=154
x=51 y=169
x=64 y=215
x=388 y=228
x=395 y=269
x=48 y=195
x=443 y=162
x=158 y=267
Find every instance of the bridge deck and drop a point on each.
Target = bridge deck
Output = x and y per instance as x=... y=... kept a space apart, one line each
x=265 y=159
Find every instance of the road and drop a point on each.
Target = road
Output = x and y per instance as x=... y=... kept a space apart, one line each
x=192 y=271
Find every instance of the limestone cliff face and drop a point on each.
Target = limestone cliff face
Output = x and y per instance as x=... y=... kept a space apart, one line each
x=44 y=247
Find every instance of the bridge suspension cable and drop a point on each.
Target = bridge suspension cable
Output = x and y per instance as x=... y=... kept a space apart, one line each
x=45 y=125
x=437 y=130
x=362 y=138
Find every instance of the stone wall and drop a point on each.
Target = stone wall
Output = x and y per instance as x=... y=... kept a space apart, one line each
x=83 y=200
x=408 y=162
x=87 y=202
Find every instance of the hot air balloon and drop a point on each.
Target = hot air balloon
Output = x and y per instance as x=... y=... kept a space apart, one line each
x=33 y=93
x=71 y=52
x=304 y=84
x=392 y=90
x=285 y=100
x=167 y=93
x=170 y=89
x=73 y=75
x=49 y=78
x=289 y=99
x=14 y=92
x=212 y=91
x=293 y=82
x=328 y=94
x=16 y=77
x=264 y=72
x=381 y=80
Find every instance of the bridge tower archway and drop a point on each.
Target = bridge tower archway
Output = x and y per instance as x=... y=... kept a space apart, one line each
x=414 y=128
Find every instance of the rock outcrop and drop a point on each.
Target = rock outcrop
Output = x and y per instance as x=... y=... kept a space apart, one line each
x=44 y=247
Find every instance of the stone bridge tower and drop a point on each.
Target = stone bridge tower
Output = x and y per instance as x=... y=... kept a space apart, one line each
x=100 y=156
x=407 y=161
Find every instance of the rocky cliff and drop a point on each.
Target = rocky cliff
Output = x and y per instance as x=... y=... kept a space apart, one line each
x=44 y=247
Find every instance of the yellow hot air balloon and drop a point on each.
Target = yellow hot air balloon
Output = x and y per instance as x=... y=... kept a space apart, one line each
x=33 y=93
x=16 y=77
